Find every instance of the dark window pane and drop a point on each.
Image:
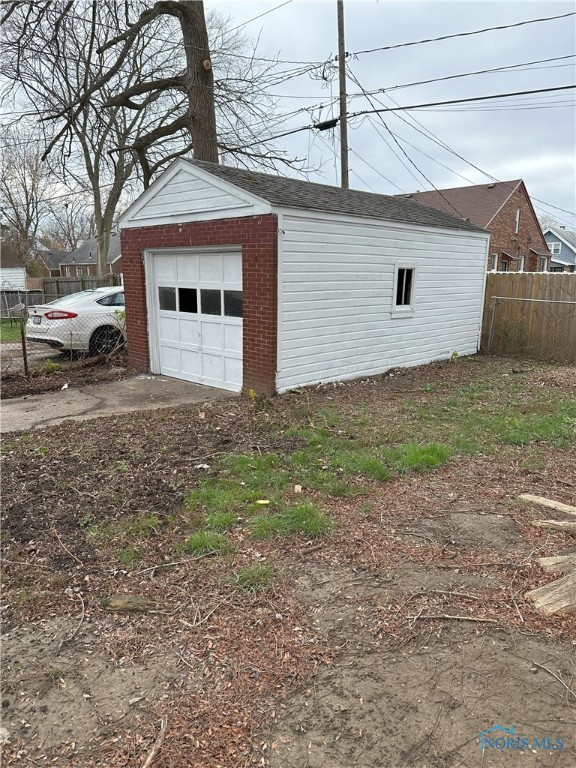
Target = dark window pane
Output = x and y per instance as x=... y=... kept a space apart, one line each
x=233 y=303
x=404 y=287
x=188 y=300
x=167 y=297
x=211 y=302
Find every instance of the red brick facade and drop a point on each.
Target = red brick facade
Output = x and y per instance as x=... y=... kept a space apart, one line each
x=89 y=270
x=504 y=238
x=258 y=238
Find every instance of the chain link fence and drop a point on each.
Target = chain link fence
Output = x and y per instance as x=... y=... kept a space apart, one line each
x=59 y=332
x=536 y=328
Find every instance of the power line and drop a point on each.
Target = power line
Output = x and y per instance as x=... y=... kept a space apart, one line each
x=401 y=148
x=427 y=133
x=373 y=168
x=260 y=16
x=461 y=34
x=459 y=101
x=517 y=67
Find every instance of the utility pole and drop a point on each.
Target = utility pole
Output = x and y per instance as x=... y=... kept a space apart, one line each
x=343 y=105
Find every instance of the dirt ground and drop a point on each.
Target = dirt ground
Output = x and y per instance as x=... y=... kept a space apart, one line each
x=44 y=377
x=394 y=641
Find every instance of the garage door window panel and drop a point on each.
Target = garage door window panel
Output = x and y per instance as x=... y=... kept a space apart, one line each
x=167 y=299
x=188 y=300
x=233 y=303
x=211 y=302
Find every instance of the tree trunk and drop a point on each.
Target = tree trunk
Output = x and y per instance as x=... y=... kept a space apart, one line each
x=102 y=246
x=199 y=82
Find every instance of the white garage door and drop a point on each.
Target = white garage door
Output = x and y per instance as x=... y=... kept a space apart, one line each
x=195 y=316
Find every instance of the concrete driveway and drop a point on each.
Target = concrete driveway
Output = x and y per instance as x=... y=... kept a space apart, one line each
x=141 y=393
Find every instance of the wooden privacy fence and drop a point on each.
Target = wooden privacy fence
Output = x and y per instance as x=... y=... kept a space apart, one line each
x=531 y=314
x=54 y=287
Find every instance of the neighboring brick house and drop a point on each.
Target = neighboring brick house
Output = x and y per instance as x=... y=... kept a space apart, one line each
x=258 y=283
x=50 y=261
x=82 y=262
x=562 y=243
x=504 y=209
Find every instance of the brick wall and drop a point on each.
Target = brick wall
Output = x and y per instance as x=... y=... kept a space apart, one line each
x=89 y=270
x=258 y=238
x=503 y=236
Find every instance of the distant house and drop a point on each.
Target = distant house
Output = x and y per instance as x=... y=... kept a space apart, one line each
x=50 y=261
x=562 y=244
x=82 y=262
x=12 y=270
x=504 y=209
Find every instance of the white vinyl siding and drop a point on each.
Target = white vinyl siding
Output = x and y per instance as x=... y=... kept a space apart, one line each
x=13 y=278
x=337 y=317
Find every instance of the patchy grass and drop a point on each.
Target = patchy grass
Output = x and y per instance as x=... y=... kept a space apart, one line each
x=9 y=331
x=481 y=417
x=220 y=521
x=304 y=518
x=339 y=450
x=127 y=531
x=253 y=578
x=129 y=556
x=207 y=542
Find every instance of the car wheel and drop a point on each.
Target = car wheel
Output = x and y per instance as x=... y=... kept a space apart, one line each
x=106 y=340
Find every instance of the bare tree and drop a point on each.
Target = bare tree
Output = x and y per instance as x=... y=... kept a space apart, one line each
x=120 y=97
x=25 y=190
x=68 y=224
x=54 y=59
x=546 y=220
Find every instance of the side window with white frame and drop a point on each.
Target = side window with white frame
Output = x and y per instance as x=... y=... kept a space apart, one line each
x=543 y=263
x=493 y=262
x=404 y=288
x=555 y=248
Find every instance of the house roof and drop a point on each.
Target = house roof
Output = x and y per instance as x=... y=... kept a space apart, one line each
x=9 y=259
x=567 y=235
x=86 y=253
x=479 y=203
x=51 y=258
x=296 y=193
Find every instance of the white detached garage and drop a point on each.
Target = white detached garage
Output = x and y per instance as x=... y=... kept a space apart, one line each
x=247 y=281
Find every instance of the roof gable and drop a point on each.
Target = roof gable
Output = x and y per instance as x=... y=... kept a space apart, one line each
x=479 y=203
x=186 y=192
x=565 y=236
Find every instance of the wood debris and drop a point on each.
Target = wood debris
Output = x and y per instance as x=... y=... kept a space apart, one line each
x=560 y=595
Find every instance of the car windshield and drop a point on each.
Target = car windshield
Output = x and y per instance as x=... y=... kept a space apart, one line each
x=74 y=297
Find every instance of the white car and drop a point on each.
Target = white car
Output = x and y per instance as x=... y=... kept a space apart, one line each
x=91 y=321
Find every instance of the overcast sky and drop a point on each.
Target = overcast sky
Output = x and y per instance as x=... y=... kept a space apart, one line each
x=500 y=138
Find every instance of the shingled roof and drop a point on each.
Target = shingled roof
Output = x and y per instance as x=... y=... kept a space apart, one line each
x=478 y=203
x=86 y=253
x=296 y=193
